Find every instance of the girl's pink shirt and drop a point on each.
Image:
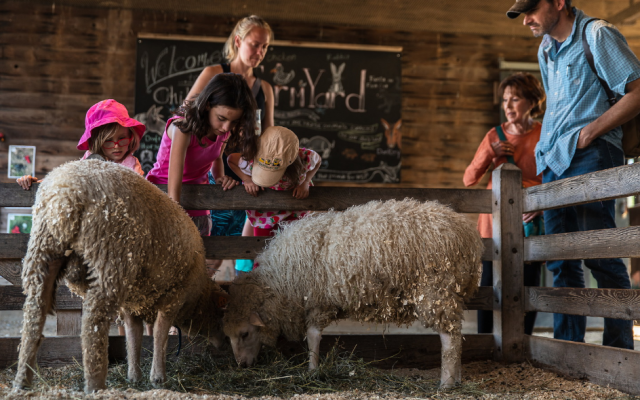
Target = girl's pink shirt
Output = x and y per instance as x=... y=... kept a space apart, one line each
x=197 y=162
x=129 y=161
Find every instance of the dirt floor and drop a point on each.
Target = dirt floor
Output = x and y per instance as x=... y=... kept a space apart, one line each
x=481 y=380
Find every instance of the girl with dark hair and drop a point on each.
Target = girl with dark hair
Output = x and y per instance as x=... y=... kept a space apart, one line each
x=195 y=138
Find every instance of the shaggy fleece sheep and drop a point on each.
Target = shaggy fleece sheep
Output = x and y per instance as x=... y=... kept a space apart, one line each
x=124 y=246
x=385 y=262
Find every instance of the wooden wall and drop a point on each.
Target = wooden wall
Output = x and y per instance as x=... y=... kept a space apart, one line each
x=55 y=62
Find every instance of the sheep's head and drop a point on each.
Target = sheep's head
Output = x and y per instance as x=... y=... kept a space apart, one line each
x=243 y=323
x=245 y=339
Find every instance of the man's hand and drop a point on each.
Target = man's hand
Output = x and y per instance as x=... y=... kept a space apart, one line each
x=584 y=139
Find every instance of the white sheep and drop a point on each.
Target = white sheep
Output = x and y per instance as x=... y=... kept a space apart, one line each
x=125 y=247
x=385 y=262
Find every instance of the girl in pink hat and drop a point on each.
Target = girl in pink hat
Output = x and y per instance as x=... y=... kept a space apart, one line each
x=195 y=138
x=109 y=133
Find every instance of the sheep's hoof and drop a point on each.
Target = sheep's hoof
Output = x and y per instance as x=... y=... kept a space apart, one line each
x=135 y=377
x=158 y=382
x=17 y=388
x=88 y=389
x=449 y=384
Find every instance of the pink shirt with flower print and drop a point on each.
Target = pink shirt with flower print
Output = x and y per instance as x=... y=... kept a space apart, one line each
x=269 y=219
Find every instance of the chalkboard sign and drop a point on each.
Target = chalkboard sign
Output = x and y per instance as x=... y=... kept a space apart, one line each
x=344 y=102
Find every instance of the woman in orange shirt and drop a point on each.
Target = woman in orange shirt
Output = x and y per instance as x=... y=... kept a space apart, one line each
x=522 y=98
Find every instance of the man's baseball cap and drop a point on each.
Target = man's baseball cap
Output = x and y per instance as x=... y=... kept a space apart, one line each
x=277 y=149
x=521 y=6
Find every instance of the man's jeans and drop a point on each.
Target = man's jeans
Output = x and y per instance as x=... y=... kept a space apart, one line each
x=611 y=272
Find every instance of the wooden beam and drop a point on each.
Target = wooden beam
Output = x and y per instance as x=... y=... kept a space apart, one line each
x=508 y=316
x=14 y=246
x=12 y=298
x=595 y=186
x=401 y=351
x=604 y=243
x=607 y=303
x=205 y=197
x=605 y=366
x=628 y=13
x=482 y=300
x=10 y=270
x=68 y=322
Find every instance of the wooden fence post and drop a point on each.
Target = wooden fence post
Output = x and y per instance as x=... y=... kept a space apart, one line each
x=508 y=245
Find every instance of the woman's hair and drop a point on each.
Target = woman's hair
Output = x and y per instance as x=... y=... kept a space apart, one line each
x=102 y=133
x=229 y=90
x=528 y=87
x=292 y=174
x=242 y=29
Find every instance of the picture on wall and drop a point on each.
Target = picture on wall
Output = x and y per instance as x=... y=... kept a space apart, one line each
x=22 y=161
x=19 y=223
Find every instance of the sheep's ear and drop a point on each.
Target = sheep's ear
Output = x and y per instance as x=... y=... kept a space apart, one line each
x=222 y=300
x=255 y=319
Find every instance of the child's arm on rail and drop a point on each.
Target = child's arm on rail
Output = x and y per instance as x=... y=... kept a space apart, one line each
x=302 y=190
x=26 y=181
x=234 y=160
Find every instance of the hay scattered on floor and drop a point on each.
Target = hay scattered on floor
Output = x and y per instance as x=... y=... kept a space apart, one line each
x=340 y=376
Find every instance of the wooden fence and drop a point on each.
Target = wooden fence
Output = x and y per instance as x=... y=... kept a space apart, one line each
x=508 y=250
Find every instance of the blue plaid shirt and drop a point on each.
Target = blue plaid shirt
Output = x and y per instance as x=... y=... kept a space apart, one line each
x=575 y=97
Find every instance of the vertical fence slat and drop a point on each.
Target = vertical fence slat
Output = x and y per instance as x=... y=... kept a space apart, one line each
x=69 y=322
x=508 y=319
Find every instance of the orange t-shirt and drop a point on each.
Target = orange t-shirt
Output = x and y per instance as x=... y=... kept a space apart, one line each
x=524 y=156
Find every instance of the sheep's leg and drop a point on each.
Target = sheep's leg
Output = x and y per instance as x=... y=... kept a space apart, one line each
x=97 y=312
x=451 y=372
x=133 y=332
x=38 y=304
x=314 y=336
x=160 y=338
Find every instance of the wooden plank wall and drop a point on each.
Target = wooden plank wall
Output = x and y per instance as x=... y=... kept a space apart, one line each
x=56 y=62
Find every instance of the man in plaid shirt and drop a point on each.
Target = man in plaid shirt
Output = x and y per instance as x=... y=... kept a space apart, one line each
x=580 y=134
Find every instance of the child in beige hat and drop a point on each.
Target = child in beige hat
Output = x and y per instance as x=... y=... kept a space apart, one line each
x=280 y=164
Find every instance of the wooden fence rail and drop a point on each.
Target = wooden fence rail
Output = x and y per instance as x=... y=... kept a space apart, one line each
x=608 y=184
x=212 y=197
x=13 y=246
x=508 y=250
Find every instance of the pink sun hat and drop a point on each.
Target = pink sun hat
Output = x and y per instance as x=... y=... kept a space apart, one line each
x=106 y=112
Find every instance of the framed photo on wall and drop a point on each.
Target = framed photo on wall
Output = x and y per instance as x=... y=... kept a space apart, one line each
x=19 y=223
x=22 y=161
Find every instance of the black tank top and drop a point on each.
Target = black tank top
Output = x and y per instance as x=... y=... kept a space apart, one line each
x=260 y=101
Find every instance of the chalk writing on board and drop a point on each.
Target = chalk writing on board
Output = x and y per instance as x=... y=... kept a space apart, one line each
x=334 y=99
x=384 y=172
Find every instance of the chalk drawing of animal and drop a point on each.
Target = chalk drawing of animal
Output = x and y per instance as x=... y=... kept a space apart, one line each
x=393 y=133
x=336 y=79
x=351 y=154
x=280 y=77
x=152 y=119
x=319 y=144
